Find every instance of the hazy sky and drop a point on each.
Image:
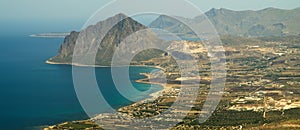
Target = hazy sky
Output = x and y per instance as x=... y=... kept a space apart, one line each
x=82 y=9
x=68 y=15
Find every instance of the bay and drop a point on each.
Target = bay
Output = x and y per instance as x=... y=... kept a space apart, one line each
x=34 y=93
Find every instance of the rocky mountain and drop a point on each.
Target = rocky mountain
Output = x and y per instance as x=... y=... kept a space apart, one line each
x=102 y=40
x=266 y=22
x=170 y=24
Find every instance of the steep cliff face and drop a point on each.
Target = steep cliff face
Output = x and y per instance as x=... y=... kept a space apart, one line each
x=87 y=35
x=114 y=37
x=66 y=49
x=103 y=38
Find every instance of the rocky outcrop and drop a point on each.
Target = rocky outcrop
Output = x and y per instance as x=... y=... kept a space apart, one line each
x=103 y=38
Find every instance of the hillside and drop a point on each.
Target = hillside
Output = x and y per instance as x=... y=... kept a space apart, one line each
x=266 y=22
x=105 y=37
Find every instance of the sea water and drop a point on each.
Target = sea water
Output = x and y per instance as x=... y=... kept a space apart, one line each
x=34 y=93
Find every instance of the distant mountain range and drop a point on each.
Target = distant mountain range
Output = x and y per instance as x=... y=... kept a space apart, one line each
x=110 y=32
x=266 y=22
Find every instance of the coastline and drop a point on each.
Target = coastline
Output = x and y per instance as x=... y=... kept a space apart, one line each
x=73 y=64
x=99 y=66
x=154 y=95
x=145 y=80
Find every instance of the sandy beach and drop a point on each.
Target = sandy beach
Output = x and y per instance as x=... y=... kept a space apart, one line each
x=154 y=95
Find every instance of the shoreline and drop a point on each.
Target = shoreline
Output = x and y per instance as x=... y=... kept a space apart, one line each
x=145 y=80
x=100 y=66
x=73 y=64
x=154 y=95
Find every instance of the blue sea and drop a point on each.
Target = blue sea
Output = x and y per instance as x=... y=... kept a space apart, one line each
x=35 y=94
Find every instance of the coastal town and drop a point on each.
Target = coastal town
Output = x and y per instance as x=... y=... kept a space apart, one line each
x=261 y=90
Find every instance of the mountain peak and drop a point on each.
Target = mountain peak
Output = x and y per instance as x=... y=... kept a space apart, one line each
x=120 y=15
x=102 y=38
x=271 y=9
x=163 y=21
x=212 y=12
